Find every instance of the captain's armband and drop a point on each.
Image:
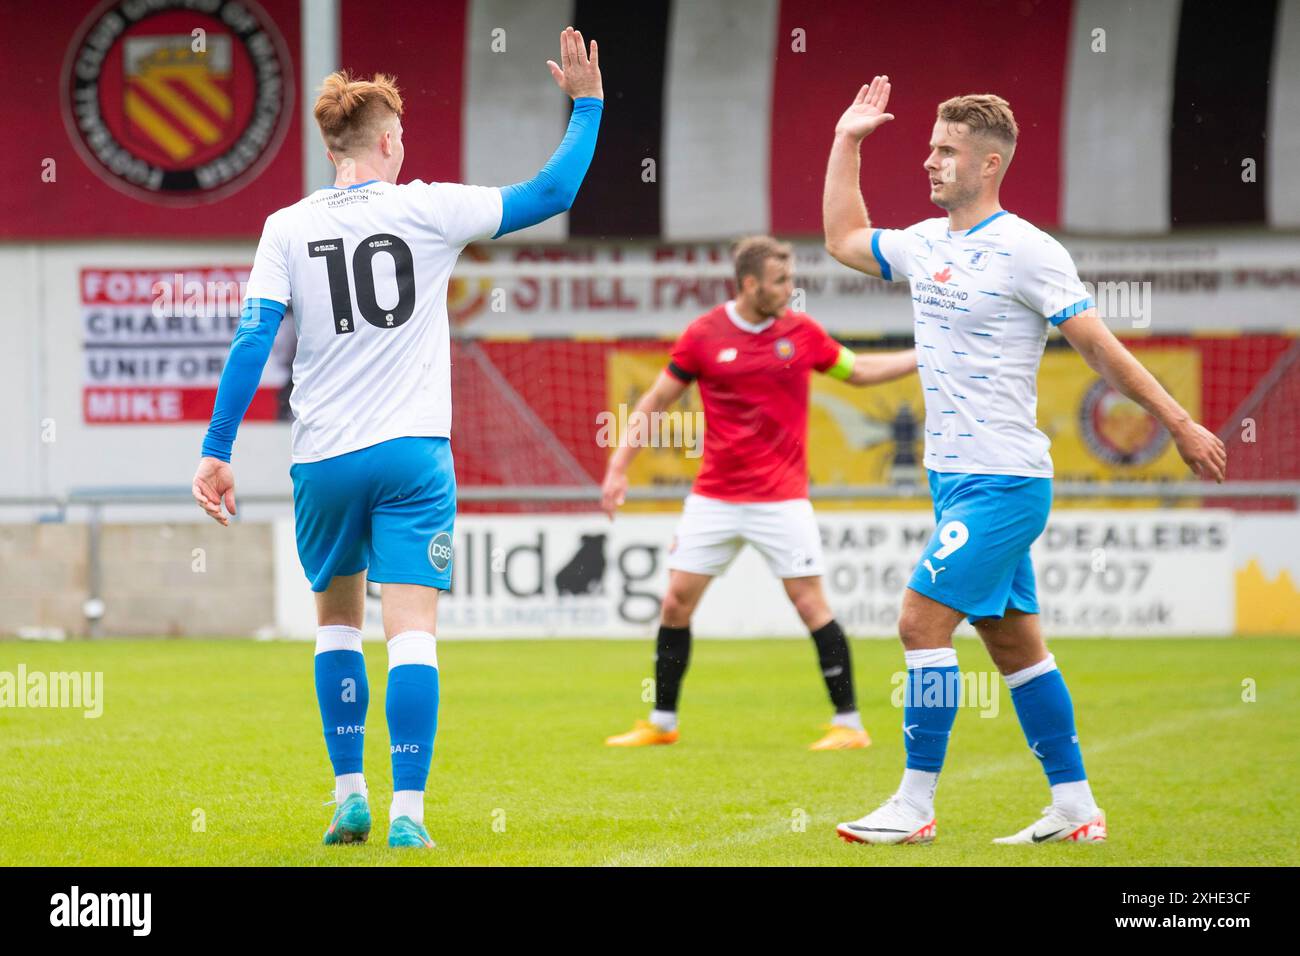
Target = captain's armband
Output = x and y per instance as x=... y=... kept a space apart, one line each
x=843 y=366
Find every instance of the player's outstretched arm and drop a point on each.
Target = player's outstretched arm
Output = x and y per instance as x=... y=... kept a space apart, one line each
x=876 y=368
x=1204 y=453
x=871 y=369
x=554 y=188
x=844 y=213
x=214 y=481
x=613 y=490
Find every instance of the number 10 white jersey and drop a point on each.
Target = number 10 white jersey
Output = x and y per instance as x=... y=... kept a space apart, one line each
x=365 y=270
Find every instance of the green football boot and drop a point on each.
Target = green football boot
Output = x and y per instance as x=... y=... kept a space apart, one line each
x=351 y=823
x=405 y=832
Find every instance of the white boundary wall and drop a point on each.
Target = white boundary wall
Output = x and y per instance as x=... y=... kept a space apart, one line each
x=1112 y=573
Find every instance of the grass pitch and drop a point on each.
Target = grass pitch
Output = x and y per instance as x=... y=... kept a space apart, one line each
x=211 y=753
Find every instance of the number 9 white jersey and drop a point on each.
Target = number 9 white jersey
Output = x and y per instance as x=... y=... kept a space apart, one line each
x=365 y=270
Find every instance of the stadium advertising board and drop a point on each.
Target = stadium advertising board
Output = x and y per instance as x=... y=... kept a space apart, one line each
x=1100 y=573
x=1140 y=287
x=155 y=341
x=874 y=436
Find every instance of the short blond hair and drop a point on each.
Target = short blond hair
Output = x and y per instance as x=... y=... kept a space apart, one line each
x=351 y=113
x=985 y=114
x=750 y=255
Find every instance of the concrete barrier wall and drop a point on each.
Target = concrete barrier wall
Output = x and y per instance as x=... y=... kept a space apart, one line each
x=156 y=579
x=43 y=579
x=195 y=579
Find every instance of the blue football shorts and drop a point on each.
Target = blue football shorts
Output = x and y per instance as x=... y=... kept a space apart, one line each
x=389 y=508
x=977 y=560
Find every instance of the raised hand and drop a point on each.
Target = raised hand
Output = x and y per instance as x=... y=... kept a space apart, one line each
x=867 y=114
x=578 y=73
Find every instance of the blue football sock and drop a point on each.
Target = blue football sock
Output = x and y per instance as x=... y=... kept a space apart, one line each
x=343 y=695
x=1046 y=714
x=412 y=707
x=930 y=707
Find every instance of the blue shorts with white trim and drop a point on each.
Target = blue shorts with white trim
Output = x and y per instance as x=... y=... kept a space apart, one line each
x=389 y=509
x=977 y=560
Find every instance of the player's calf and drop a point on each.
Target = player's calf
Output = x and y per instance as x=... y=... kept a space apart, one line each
x=672 y=654
x=343 y=695
x=1046 y=714
x=412 y=711
x=845 y=731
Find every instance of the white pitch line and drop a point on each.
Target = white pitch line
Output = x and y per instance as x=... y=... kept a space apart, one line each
x=661 y=855
x=1106 y=744
x=658 y=857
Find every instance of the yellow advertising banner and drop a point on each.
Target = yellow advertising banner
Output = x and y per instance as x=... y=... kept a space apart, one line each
x=629 y=374
x=1098 y=434
x=874 y=436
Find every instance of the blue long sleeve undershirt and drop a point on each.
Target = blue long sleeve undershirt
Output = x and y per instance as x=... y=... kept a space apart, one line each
x=554 y=188
x=258 y=324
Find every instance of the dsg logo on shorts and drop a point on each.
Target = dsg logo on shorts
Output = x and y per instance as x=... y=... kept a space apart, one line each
x=440 y=551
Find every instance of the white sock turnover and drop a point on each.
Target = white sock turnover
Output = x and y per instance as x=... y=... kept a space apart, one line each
x=852 y=720
x=917 y=789
x=407 y=803
x=347 y=784
x=1074 y=800
x=665 y=720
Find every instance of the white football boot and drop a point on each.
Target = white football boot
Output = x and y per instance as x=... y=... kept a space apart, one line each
x=1054 y=827
x=896 y=821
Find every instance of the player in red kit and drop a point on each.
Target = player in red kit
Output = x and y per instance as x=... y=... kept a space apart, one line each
x=753 y=359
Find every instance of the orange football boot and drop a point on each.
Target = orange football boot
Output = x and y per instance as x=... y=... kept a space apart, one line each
x=842 y=738
x=642 y=734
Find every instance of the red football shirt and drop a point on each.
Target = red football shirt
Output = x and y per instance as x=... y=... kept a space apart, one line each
x=754 y=385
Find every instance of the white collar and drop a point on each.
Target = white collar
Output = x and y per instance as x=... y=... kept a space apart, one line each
x=744 y=326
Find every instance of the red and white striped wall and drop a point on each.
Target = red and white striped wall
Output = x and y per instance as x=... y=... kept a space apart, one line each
x=1137 y=116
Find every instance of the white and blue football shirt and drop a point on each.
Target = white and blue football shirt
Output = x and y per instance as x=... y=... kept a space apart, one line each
x=366 y=270
x=982 y=300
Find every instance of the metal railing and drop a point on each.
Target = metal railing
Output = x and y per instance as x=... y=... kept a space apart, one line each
x=96 y=499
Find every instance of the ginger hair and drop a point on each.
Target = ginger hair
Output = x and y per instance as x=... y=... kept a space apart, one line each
x=352 y=113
